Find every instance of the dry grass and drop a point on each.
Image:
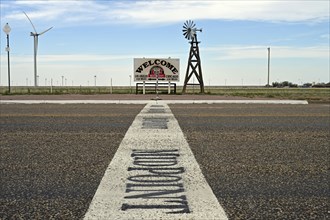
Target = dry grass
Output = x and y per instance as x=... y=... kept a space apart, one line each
x=310 y=94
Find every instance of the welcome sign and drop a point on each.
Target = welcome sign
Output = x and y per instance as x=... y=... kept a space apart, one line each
x=153 y=68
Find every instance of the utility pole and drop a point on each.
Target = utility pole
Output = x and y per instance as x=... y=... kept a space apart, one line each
x=268 y=85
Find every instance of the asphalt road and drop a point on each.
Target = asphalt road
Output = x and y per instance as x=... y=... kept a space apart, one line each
x=261 y=161
x=52 y=157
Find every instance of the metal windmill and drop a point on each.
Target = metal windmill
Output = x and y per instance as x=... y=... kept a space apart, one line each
x=194 y=61
x=35 y=40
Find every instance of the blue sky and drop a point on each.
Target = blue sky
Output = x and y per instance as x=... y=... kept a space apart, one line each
x=102 y=37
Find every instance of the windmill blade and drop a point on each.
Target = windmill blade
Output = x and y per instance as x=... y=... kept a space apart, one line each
x=35 y=31
x=193 y=33
x=189 y=30
x=185 y=34
x=189 y=33
x=45 y=31
x=186 y=25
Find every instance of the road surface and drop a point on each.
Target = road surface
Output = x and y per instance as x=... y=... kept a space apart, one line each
x=261 y=161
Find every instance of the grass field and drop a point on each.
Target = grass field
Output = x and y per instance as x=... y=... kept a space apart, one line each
x=310 y=94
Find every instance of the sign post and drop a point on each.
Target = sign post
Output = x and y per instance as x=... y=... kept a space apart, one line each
x=144 y=87
x=157 y=97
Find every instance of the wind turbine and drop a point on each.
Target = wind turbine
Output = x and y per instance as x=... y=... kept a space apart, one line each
x=35 y=39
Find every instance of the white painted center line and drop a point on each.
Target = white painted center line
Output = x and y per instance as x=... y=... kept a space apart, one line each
x=154 y=175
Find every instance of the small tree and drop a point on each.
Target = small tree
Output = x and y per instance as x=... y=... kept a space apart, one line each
x=275 y=84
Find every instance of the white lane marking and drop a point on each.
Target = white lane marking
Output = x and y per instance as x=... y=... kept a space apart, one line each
x=154 y=175
x=292 y=102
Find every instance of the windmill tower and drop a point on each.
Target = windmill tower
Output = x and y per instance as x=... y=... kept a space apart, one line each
x=194 y=66
x=35 y=36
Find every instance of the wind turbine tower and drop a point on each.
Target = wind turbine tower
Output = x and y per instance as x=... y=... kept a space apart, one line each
x=35 y=35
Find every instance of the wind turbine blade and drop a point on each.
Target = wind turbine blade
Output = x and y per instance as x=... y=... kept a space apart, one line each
x=45 y=31
x=35 y=31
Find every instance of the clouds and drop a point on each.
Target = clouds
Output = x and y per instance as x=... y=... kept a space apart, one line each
x=72 y=12
x=229 y=52
x=104 y=36
x=232 y=63
x=166 y=12
x=240 y=52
